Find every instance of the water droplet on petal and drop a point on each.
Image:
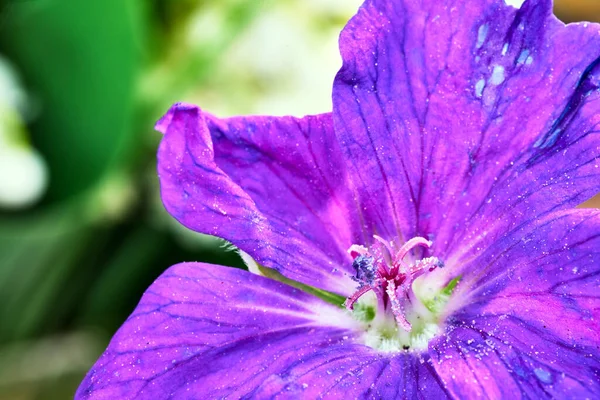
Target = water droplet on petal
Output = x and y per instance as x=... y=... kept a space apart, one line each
x=543 y=375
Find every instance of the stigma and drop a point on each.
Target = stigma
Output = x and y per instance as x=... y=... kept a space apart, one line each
x=384 y=270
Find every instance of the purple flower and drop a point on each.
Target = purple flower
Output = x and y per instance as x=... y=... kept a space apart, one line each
x=435 y=202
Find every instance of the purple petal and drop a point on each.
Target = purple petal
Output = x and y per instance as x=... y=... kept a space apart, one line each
x=274 y=187
x=203 y=331
x=462 y=120
x=532 y=323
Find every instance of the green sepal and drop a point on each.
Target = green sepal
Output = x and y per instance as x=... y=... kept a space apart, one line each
x=447 y=291
x=329 y=297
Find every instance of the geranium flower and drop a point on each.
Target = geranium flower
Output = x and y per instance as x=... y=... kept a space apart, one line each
x=419 y=241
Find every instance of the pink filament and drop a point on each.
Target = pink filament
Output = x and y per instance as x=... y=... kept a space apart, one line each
x=352 y=299
x=406 y=247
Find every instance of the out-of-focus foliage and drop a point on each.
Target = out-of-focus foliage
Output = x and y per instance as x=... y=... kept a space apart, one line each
x=88 y=81
x=82 y=231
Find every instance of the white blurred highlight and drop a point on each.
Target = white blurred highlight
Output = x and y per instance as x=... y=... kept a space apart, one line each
x=23 y=177
x=23 y=171
x=514 y=3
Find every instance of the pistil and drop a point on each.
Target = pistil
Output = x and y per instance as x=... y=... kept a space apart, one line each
x=389 y=276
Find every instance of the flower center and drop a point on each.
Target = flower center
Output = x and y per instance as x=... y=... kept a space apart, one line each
x=397 y=319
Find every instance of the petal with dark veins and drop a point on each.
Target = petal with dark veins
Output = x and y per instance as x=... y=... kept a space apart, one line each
x=460 y=121
x=531 y=323
x=203 y=331
x=274 y=187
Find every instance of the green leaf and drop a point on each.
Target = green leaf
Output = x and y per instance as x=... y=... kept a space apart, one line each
x=37 y=255
x=80 y=60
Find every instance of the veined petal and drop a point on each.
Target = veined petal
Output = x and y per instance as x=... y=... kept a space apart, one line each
x=274 y=187
x=460 y=121
x=203 y=331
x=532 y=320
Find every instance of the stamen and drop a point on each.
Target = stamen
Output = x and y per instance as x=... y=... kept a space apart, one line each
x=357 y=250
x=396 y=307
x=427 y=264
x=366 y=273
x=385 y=243
x=406 y=247
x=352 y=299
x=412 y=243
x=392 y=284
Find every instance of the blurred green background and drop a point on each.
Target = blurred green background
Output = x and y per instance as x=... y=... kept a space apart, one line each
x=82 y=229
